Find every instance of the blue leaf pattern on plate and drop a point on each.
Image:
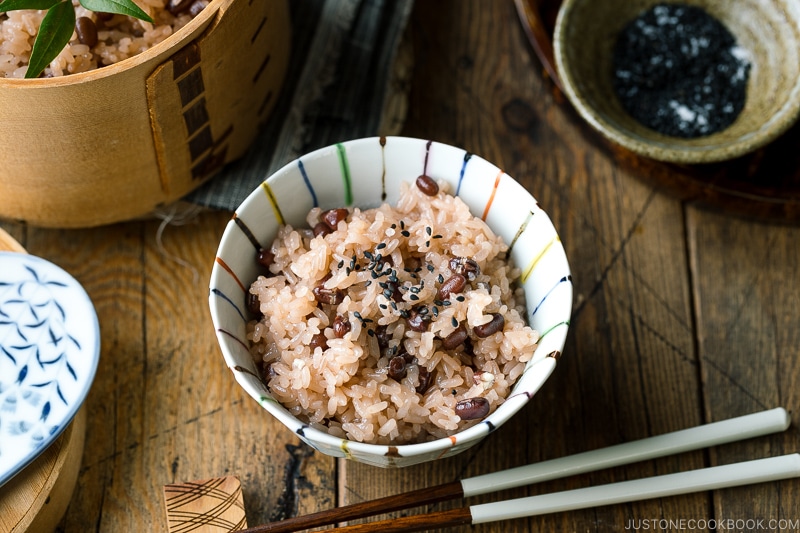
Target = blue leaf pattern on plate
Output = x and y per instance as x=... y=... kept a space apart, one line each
x=49 y=347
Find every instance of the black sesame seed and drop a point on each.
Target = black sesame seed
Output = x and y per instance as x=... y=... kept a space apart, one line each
x=402 y=224
x=414 y=297
x=435 y=311
x=381 y=246
x=405 y=233
x=440 y=278
x=431 y=268
x=382 y=306
x=437 y=236
x=341 y=264
x=428 y=230
x=357 y=315
x=368 y=283
x=438 y=302
x=460 y=298
x=454 y=322
x=368 y=255
x=371 y=332
x=427 y=244
x=387 y=294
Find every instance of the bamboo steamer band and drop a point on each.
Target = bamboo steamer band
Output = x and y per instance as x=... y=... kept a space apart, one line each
x=34 y=501
x=118 y=142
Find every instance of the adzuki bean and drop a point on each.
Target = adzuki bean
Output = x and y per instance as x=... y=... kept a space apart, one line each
x=321 y=229
x=456 y=338
x=472 y=408
x=196 y=7
x=382 y=335
x=86 y=31
x=318 y=341
x=253 y=303
x=327 y=296
x=416 y=321
x=490 y=328
x=341 y=326
x=397 y=368
x=466 y=267
x=265 y=257
x=452 y=285
x=425 y=379
x=426 y=184
x=177 y=6
x=332 y=217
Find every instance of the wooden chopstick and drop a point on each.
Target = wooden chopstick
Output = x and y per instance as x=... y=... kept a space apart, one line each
x=427 y=496
x=703 y=479
x=734 y=429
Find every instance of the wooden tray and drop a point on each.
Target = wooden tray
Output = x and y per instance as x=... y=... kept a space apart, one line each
x=764 y=184
x=35 y=499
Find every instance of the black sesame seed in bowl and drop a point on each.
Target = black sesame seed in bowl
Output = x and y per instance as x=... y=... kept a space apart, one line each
x=680 y=82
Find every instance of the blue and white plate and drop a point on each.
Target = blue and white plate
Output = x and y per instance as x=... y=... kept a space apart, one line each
x=49 y=350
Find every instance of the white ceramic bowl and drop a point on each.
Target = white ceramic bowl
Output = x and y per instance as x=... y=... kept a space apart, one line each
x=364 y=173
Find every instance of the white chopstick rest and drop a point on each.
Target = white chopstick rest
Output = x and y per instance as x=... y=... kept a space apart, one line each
x=717 y=477
x=731 y=430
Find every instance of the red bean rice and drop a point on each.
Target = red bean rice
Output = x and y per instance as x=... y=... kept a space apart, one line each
x=118 y=37
x=387 y=266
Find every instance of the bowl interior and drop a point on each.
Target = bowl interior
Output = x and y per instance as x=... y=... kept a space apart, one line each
x=365 y=173
x=585 y=34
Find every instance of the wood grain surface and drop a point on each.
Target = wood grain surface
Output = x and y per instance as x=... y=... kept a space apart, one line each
x=682 y=316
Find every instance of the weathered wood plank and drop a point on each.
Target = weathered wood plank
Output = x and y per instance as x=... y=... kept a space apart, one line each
x=747 y=301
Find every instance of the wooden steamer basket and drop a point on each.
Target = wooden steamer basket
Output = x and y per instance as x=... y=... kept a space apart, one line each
x=118 y=142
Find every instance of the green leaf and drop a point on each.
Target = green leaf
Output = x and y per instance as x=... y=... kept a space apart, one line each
x=54 y=34
x=13 y=5
x=121 y=7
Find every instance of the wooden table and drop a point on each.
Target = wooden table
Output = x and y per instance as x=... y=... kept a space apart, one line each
x=682 y=316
